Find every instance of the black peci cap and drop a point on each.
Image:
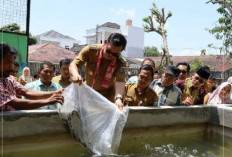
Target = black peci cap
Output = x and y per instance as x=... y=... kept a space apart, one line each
x=172 y=70
x=203 y=73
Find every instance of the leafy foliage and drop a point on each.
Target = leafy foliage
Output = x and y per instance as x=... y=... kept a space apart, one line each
x=11 y=28
x=151 y=51
x=196 y=63
x=155 y=23
x=203 y=52
x=223 y=30
x=16 y=29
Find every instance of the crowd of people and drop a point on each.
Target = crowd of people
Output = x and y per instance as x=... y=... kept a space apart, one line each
x=105 y=72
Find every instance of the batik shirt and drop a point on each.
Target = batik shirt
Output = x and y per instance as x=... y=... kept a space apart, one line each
x=168 y=96
x=190 y=90
x=9 y=88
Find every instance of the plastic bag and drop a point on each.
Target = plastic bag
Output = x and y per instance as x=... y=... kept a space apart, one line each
x=93 y=120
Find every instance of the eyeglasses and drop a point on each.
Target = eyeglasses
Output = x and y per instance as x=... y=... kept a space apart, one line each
x=198 y=79
x=113 y=53
x=183 y=71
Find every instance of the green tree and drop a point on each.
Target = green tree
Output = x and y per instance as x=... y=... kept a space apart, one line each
x=203 y=52
x=159 y=18
x=223 y=30
x=16 y=28
x=196 y=63
x=11 y=28
x=32 y=40
x=151 y=51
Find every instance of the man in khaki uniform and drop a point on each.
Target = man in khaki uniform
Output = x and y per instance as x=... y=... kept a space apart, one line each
x=104 y=67
x=64 y=78
x=139 y=94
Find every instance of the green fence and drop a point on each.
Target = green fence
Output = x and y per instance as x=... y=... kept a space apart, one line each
x=20 y=43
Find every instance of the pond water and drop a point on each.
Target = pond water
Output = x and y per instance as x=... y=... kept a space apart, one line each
x=135 y=143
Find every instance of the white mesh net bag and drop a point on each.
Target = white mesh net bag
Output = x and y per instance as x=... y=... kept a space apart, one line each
x=93 y=120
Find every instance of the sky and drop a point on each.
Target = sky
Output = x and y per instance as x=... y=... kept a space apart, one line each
x=186 y=29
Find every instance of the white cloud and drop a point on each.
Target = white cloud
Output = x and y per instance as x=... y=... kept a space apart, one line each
x=121 y=11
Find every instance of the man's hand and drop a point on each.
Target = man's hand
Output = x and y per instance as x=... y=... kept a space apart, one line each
x=56 y=97
x=119 y=103
x=59 y=91
x=189 y=101
x=77 y=79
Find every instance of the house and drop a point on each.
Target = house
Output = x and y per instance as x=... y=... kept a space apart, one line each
x=47 y=52
x=77 y=48
x=134 y=36
x=57 y=39
x=99 y=34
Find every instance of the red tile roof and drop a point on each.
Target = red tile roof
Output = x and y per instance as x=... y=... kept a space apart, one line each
x=49 y=52
x=216 y=62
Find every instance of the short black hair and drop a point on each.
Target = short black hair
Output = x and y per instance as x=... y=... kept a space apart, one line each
x=16 y=64
x=7 y=49
x=117 y=39
x=147 y=67
x=185 y=64
x=64 y=62
x=148 y=59
x=47 y=63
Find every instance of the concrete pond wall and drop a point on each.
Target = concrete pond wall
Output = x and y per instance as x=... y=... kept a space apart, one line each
x=45 y=122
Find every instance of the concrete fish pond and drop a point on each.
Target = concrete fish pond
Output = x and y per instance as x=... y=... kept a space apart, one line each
x=150 y=131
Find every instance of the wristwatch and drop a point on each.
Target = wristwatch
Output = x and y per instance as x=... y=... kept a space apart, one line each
x=118 y=97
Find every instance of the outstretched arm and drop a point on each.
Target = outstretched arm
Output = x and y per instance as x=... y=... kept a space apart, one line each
x=74 y=71
x=35 y=95
x=26 y=104
x=120 y=87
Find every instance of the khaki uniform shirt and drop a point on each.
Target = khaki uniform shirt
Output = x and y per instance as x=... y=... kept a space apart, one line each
x=131 y=96
x=88 y=56
x=58 y=80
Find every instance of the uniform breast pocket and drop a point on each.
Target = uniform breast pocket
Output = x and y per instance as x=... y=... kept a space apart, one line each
x=128 y=100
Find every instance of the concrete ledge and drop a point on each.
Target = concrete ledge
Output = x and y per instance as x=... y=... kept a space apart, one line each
x=167 y=116
x=33 y=122
x=46 y=122
x=221 y=115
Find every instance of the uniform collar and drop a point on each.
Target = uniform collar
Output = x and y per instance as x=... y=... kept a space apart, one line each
x=60 y=79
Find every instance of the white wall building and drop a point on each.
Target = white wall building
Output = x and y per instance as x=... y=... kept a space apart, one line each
x=134 y=36
x=101 y=33
x=57 y=39
x=135 y=40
